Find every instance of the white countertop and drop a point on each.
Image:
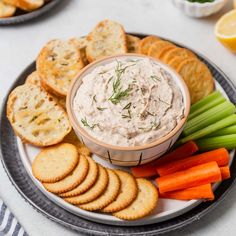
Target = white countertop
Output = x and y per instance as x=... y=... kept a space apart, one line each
x=19 y=45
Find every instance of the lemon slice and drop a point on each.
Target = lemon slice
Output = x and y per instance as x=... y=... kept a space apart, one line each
x=225 y=30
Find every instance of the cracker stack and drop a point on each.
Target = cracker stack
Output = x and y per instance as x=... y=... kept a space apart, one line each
x=82 y=182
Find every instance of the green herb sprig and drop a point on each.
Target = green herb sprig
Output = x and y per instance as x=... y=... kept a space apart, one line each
x=94 y=98
x=101 y=108
x=85 y=123
x=155 y=78
x=118 y=93
x=127 y=106
x=128 y=116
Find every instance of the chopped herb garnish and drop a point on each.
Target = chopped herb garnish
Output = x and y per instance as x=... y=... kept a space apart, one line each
x=85 y=123
x=101 y=108
x=127 y=116
x=94 y=98
x=127 y=106
x=153 y=126
x=119 y=95
x=110 y=79
x=116 y=85
x=155 y=78
x=119 y=70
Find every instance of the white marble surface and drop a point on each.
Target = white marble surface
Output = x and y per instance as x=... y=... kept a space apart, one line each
x=20 y=44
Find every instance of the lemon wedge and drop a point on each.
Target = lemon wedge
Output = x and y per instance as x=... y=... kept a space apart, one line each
x=235 y=4
x=225 y=30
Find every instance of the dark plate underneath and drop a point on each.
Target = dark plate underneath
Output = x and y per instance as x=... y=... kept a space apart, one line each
x=22 y=16
x=17 y=174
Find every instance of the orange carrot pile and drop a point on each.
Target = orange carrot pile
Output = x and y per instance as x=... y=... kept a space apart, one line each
x=192 y=177
x=187 y=177
x=149 y=170
x=221 y=156
x=198 y=192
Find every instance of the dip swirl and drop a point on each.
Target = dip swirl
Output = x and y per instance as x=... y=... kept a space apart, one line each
x=128 y=102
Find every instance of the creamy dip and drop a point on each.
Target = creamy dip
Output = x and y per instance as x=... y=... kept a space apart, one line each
x=128 y=102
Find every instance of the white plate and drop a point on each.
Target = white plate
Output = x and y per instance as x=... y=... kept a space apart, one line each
x=166 y=208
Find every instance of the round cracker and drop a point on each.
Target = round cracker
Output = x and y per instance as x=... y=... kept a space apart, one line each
x=89 y=180
x=132 y=43
x=108 y=196
x=127 y=194
x=146 y=43
x=73 y=139
x=165 y=50
x=55 y=163
x=94 y=192
x=156 y=49
x=198 y=78
x=178 y=52
x=144 y=203
x=72 y=180
x=175 y=62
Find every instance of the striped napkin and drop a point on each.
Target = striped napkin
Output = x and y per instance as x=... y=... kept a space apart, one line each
x=9 y=225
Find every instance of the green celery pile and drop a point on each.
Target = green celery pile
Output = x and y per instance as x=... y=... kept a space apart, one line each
x=211 y=123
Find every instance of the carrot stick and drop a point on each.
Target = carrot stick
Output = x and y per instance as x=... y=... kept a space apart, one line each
x=179 y=153
x=198 y=192
x=195 y=176
x=149 y=169
x=225 y=172
x=221 y=156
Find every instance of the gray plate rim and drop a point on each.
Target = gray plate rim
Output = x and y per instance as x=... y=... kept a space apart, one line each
x=30 y=15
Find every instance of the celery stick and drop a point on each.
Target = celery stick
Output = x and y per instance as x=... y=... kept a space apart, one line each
x=209 y=117
x=229 y=120
x=227 y=130
x=206 y=106
x=226 y=141
x=205 y=101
